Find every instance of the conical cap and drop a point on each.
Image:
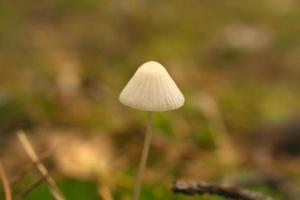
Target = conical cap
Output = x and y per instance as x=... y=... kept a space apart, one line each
x=152 y=89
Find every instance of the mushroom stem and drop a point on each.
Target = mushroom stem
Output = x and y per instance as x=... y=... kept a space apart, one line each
x=144 y=158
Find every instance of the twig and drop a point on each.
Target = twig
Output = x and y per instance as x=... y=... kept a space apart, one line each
x=273 y=179
x=27 y=167
x=193 y=188
x=39 y=165
x=5 y=183
x=32 y=187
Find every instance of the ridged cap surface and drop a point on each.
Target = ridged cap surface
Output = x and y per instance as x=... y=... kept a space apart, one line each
x=152 y=89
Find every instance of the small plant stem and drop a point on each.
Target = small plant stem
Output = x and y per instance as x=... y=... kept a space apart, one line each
x=5 y=183
x=143 y=162
x=39 y=165
x=32 y=187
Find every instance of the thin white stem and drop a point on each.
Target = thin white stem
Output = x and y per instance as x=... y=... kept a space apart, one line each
x=143 y=162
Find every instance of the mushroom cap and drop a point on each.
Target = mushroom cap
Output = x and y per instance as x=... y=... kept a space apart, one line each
x=152 y=89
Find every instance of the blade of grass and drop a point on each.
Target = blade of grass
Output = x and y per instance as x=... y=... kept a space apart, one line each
x=5 y=183
x=39 y=165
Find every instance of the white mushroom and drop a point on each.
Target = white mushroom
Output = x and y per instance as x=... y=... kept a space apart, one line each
x=150 y=89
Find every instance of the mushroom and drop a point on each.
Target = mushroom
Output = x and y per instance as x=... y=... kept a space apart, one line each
x=150 y=89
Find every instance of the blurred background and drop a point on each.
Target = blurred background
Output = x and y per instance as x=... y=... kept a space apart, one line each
x=63 y=64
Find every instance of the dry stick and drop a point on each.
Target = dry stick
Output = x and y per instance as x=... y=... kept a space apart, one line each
x=20 y=175
x=37 y=183
x=143 y=162
x=28 y=167
x=5 y=183
x=41 y=168
x=193 y=188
